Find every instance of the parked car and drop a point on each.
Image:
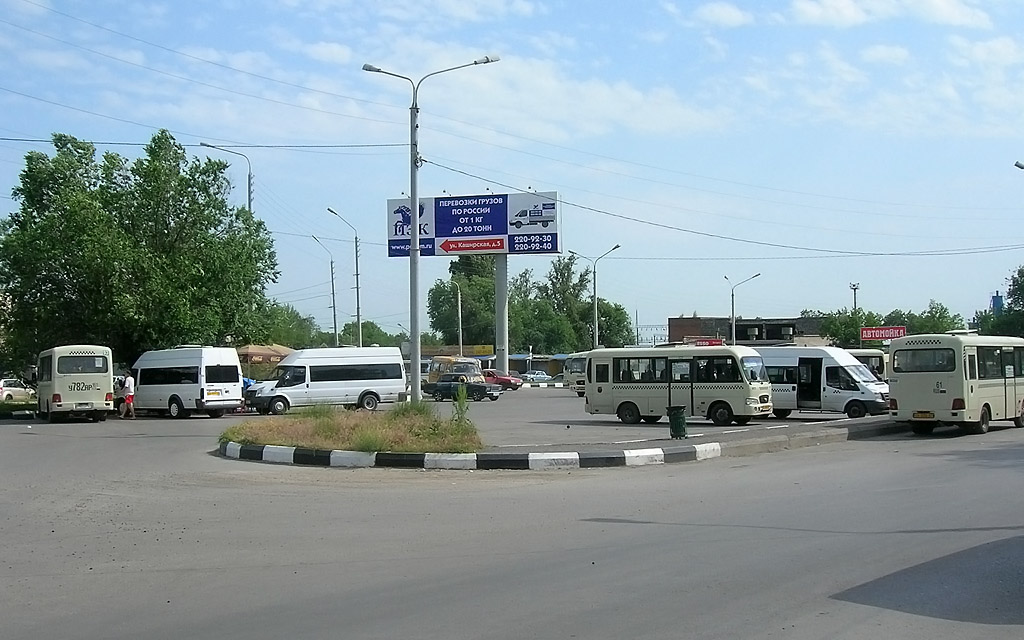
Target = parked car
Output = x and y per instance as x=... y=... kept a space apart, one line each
x=14 y=390
x=536 y=375
x=477 y=388
x=506 y=380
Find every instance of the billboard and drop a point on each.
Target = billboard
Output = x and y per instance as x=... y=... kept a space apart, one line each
x=515 y=223
x=882 y=333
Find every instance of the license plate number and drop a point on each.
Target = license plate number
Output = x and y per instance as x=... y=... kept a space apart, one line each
x=926 y=415
x=83 y=405
x=213 y=392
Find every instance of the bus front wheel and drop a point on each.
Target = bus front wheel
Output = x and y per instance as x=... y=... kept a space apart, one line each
x=629 y=413
x=782 y=413
x=856 y=409
x=742 y=420
x=720 y=414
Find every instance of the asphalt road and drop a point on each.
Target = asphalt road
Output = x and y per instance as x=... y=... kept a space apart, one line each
x=131 y=529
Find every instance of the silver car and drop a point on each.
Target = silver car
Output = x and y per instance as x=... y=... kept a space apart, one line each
x=14 y=390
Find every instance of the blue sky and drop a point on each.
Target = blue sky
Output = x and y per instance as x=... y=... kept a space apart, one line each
x=707 y=138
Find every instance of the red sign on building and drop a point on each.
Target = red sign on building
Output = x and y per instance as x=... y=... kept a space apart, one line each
x=708 y=342
x=882 y=333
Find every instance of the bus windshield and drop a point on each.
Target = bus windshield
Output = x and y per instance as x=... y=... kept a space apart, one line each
x=923 y=360
x=753 y=368
x=861 y=373
x=575 y=365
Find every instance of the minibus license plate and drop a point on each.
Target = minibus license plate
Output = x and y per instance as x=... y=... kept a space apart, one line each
x=83 y=405
x=214 y=392
x=927 y=415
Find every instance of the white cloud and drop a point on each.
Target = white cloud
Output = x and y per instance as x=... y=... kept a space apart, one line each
x=886 y=54
x=722 y=14
x=849 y=13
x=995 y=53
x=671 y=9
x=331 y=52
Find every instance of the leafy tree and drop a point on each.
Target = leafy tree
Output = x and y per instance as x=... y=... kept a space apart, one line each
x=372 y=334
x=843 y=326
x=290 y=328
x=134 y=255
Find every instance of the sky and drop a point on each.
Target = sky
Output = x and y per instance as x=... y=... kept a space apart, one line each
x=817 y=143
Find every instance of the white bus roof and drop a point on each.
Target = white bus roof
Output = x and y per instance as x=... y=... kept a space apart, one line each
x=964 y=339
x=343 y=353
x=649 y=352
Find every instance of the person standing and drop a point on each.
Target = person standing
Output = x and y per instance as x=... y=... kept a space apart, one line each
x=129 y=396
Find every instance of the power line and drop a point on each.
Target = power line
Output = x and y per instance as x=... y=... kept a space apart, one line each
x=718 y=236
x=229 y=146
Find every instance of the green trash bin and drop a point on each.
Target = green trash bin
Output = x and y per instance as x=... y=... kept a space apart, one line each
x=677 y=420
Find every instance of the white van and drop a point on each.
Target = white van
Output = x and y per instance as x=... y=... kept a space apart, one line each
x=349 y=376
x=822 y=379
x=75 y=380
x=188 y=378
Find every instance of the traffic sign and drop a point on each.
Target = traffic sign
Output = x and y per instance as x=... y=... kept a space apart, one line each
x=522 y=223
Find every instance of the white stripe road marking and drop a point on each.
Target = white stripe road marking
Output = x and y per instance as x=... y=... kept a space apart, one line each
x=780 y=426
x=638 y=457
x=554 y=459
x=708 y=450
x=736 y=430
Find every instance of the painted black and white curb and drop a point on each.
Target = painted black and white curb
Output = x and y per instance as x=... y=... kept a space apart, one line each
x=555 y=459
x=542 y=385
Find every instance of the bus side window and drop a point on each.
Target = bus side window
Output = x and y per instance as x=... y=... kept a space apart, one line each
x=601 y=372
x=588 y=370
x=972 y=364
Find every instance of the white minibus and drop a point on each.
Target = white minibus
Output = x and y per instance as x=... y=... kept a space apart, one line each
x=349 y=376
x=725 y=384
x=956 y=378
x=75 y=380
x=574 y=372
x=876 y=360
x=822 y=379
x=188 y=378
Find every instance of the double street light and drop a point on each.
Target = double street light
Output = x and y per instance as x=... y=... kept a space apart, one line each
x=732 y=312
x=414 y=205
x=248 y=180
x=593 y=263
x=359 y=317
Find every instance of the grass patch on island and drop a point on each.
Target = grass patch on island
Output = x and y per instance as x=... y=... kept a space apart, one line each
x=10 y=407
x=408 y=428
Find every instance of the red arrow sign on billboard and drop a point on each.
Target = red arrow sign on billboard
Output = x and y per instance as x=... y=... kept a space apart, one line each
x=475 y=244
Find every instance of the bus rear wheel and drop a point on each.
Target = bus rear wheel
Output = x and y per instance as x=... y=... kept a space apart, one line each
x=741 y=420
x=782 y=413
x=981 y=426
x=652 y=419
x=628 y=413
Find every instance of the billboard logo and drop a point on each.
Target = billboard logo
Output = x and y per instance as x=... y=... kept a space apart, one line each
x=404 y=223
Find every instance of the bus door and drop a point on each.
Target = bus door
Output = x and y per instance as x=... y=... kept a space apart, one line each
x=680 y=385
x=1011 y=401
x=808 y=387
x=970 y=375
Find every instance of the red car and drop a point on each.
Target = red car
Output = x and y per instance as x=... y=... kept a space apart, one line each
x=500 y=377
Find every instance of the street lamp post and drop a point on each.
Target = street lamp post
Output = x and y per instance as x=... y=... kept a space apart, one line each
x=414 y=204
x=458 y=308
x=855 y=286
x=334 y=305
x=248 y=181
x=732 y=299
x=593 y=262
x=359 y=316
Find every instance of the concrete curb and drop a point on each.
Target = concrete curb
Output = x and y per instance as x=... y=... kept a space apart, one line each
x=542 y=385
x=555 y=459
x=17 y=415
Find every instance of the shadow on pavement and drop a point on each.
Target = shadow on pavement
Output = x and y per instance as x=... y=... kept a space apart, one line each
x=983 y=585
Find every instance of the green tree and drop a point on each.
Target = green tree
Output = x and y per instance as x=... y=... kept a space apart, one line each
x=131 y=254
x=842 y=327
x=372 y=334
x=290 y=328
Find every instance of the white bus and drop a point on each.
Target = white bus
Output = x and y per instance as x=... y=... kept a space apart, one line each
x=724 y=384
x=876 y=360
x=957 y=378
x=349 y=376
x=574 y=372
x=75 y=380
x=822 y=379
x=188 y=378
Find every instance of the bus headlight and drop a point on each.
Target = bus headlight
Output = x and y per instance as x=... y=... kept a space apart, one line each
x=752 y=402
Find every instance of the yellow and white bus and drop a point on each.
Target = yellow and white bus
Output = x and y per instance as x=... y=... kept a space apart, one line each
x=956 y=378
x=724 y=383
x=75 y=380
x=574 y=372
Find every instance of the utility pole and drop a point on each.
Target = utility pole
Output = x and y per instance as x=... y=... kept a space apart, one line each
x=334 y=304
x=359 y=314
x=458 y=310
x=855 y=286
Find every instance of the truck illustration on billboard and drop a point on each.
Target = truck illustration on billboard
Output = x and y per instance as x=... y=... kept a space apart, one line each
x=542 y=214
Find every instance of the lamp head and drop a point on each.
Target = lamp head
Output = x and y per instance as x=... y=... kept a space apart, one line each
x=483 y=60
x=370 y=67
x=1019 y=164
x=204 y=144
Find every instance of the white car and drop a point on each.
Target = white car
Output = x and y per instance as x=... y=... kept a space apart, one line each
x=536 y=375
x=14 y=390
